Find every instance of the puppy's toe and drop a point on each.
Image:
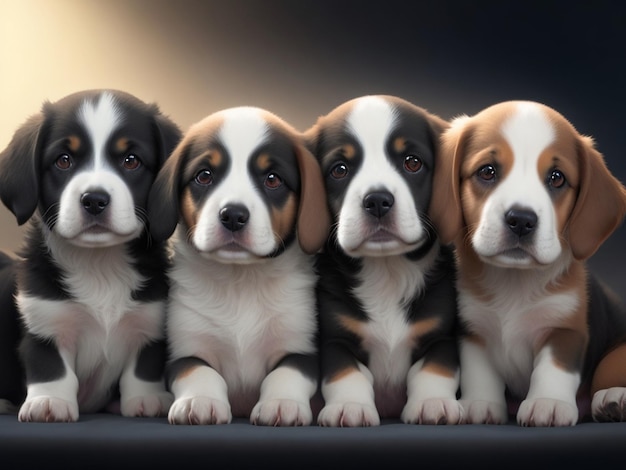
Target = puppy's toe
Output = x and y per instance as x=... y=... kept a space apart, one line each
x=484 y=412
x=433 y=411
x=348 y=415
x=609 y=405
x=281 y=412
x=148 y=406
x=547 y=412
x=48 y=410
x=199 y=410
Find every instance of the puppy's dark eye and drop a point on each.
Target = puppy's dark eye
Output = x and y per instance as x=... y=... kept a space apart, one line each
x=64 y=162
x=556 y=179
x=131 y=162
x=204 y=177
x=487 y=173
x=339 y=171
x=412 y=164
x=273 y=181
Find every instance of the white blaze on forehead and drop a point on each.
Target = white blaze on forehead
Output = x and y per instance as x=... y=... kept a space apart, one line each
x=528 y=132
x=243 y=130
x=370 y=121
x=100 y=119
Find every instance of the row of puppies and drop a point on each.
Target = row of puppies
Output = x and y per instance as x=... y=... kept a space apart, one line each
x=524 y=198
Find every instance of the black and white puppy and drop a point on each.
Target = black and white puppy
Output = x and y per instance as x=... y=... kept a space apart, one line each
x=90 y=284
x=241 y=320
x=387 y=301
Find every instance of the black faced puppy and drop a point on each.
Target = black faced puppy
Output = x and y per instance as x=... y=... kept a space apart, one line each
x=386 y=294
x=241 y=319
x=90 y=284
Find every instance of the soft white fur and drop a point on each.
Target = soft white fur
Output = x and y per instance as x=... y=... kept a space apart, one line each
x=513 y=324
x=240 y=319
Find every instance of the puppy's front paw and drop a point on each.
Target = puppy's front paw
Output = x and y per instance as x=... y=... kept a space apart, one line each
x=48 y=410
x=609 y=405
x=283 y=412
x=199 y=410
x=433 y=411
x=547 y=412
x=147 y=406
x=348 y=415
x=484 y=412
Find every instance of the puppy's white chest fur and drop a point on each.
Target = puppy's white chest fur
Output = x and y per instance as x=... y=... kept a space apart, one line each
x=513 y=325
x=100 y=325
x=387 y=286
x=241 y=319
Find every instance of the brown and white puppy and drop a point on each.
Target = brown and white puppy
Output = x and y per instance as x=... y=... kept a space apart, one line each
x=386 y=292
x=242 y=319
x=526 y=200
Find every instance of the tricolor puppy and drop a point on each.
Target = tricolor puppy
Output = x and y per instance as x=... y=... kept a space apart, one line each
x=242 y=319
x=386 y=294
x=527 y=200
x=90 y=284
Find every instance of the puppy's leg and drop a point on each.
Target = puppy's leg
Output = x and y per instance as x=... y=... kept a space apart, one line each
x=482 y=387
x=142 y=387
x=200 y=393
x=286 y=393
x=551 y=398
x=52 y=385
x=432 y=383
x=608 y=387
x=347 y=388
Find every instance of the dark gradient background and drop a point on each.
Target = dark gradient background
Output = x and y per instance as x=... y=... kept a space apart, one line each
x=299 y=59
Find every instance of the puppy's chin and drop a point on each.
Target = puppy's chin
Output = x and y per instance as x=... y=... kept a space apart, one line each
x=100 y=239
x=379 y=247
x=515 y=258
x=231 y=254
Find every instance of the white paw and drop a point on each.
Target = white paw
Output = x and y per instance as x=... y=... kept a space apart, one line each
x=433 y=411
x=609 y=404
x=283 y=412
x=348 y=415
x=199 y=410
x=484 y=412
x=48 y=410
x=547 y=412
x=147 y=406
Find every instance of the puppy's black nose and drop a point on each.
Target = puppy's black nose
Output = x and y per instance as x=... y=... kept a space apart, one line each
x=378 y=203
x=95 y=202
x=234 y=217
x=521 y=221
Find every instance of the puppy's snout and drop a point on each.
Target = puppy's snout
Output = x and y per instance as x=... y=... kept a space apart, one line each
x=95 y=202
x=234 y=217
x=378 y=203
x=521 y=221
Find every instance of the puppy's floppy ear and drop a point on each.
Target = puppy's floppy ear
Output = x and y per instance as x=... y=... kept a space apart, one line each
x=19 y=169
x=600 y=205
x=164 y=197
x=313 y=216
x=167 y=134
x=445 y=204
